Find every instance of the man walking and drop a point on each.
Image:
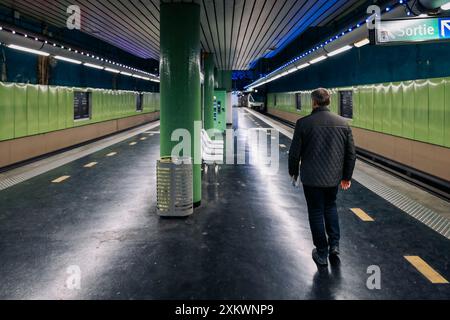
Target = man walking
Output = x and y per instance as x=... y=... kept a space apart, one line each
x=323 y=142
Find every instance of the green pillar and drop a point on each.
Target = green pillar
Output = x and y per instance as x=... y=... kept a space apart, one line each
x=209 y=92
x=180 y=80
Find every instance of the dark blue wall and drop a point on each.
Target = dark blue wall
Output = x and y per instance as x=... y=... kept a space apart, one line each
x=68 y=74
x=77 y=40
x=371 y=64
x=22 y=67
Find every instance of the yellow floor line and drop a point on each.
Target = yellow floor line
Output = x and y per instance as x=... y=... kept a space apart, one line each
x=90 y=165
x=362 y=215
x=112 y=154
x=425 y=269
x=61 y=179
x=133 y=143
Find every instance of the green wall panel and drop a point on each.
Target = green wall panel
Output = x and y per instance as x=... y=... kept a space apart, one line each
x=112 y=105
x=408 y=109
x=97 y=112
x=106 y=105
x=123 y=110
x=131 y=103
x=20 y=111
x=43 y=109
x=332 y=105
x=378 y=108
x=154 y=102
x=99 y=105
x=151 y=102
x=416 y=109
x=127 y=104
x=145 y=103
x=62 y=109
x=356 y=108
x=387 y=108
x=358 y=115
x=447 y=114
x=436 y=113
x=69 y=108
x=53 y=112
x=421 y=110
x=32 y=110
x=115 y=105
x=396 y=108
x=6 y=111
x=367 y=107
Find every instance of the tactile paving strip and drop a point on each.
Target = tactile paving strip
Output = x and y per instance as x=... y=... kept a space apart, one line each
x=9 y=182
x=427 y=216
x=10 y=179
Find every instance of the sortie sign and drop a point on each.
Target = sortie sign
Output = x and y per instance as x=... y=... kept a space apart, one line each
x=413 y=30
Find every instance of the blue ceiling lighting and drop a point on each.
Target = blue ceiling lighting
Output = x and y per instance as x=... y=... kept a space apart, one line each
x=268 y=78
x=323 y=6
x=100 y=63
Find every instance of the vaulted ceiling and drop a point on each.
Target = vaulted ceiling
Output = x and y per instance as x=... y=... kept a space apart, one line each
x=237 y=31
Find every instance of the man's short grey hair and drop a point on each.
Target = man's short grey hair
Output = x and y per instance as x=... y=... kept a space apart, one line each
x=321 y=97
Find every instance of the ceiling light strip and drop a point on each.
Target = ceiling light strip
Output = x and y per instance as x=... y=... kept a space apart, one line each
x=268 y=78
x=151 y=77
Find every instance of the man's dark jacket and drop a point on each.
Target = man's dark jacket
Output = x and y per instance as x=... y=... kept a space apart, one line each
x=323 y=141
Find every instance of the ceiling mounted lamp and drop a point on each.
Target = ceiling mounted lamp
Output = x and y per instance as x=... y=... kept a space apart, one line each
x=340 y=50
x=362 y=43
x=94 y=66
x=303 y=66
x=321 y=58
x=112 y=70
x=292 y=70
x=28 y=50
x=431 y=7
x=68 y=60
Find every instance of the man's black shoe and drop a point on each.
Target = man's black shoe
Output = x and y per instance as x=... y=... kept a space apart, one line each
x=320 y=261
x=334 y=251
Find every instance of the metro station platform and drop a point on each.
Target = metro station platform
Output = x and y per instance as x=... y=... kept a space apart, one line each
x=250 y=239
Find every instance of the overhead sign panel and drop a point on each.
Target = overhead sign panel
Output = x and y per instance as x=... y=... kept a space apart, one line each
x=413 y=30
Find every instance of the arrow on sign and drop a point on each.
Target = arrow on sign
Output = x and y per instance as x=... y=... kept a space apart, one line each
x=445 y=26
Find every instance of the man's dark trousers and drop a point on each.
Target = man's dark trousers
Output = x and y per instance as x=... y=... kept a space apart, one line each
x=323 y=217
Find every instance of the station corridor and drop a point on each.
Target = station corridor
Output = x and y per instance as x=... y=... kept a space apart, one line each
x=249 y=240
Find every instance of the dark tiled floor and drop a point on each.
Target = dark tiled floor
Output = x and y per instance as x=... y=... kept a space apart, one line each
x=249 y=240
